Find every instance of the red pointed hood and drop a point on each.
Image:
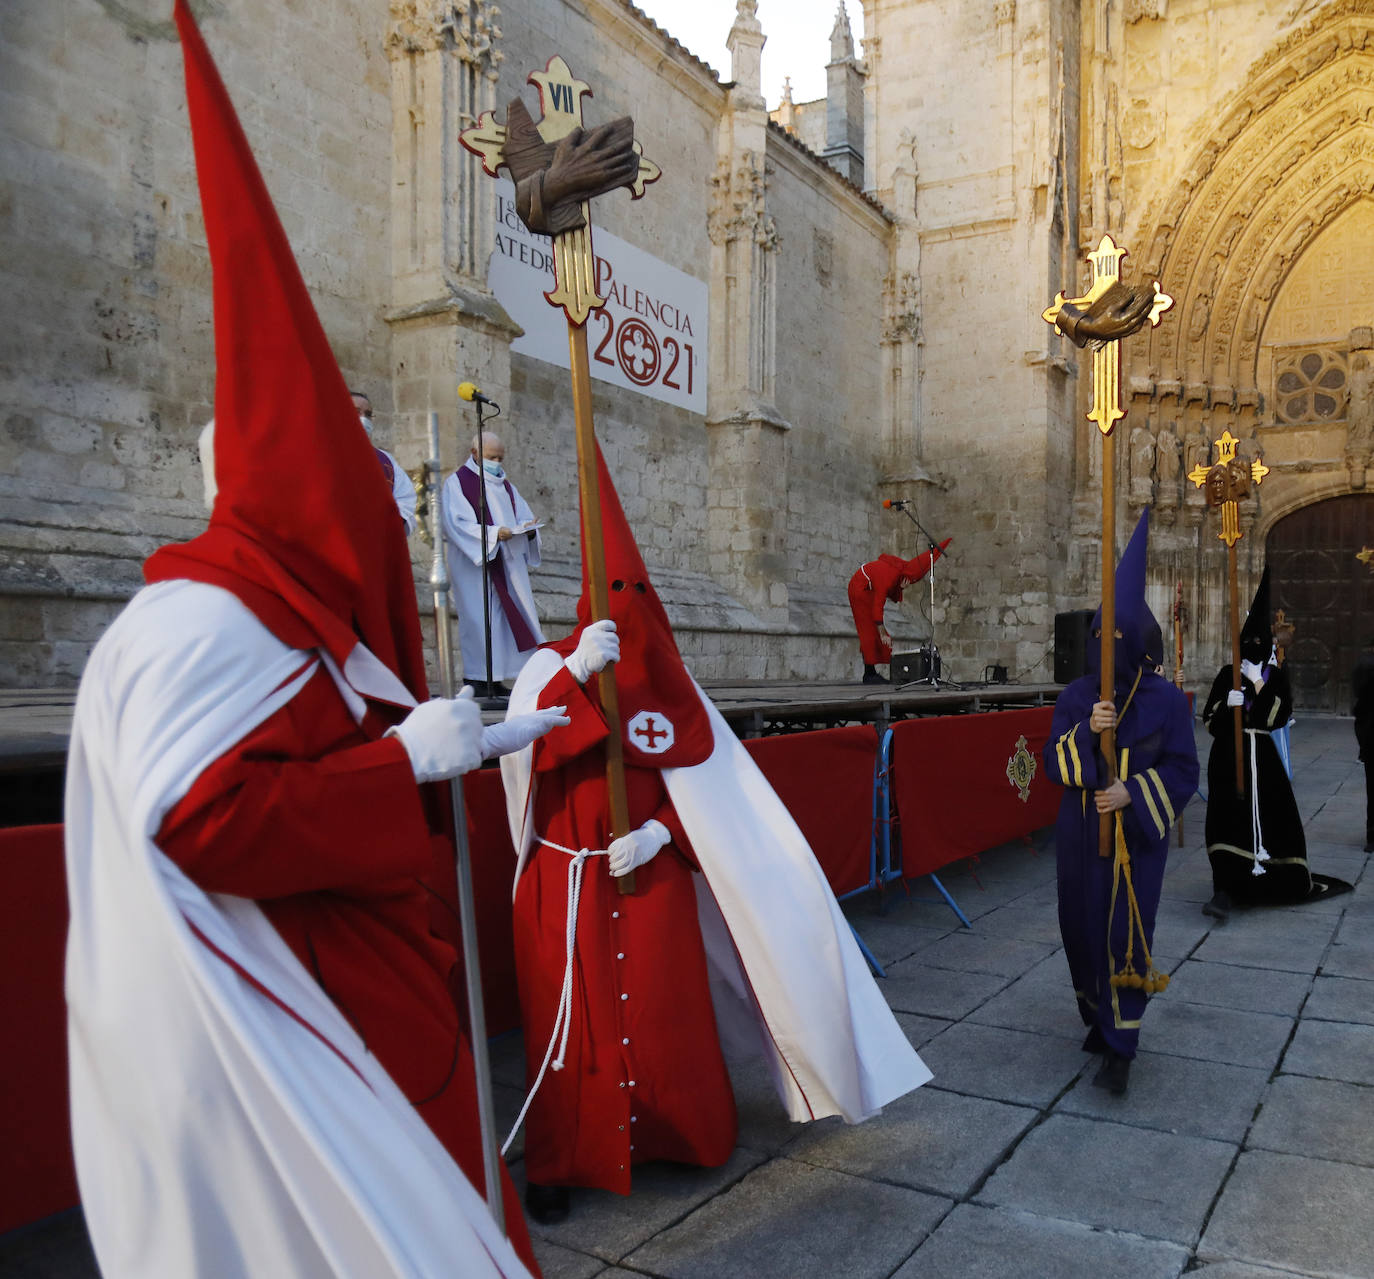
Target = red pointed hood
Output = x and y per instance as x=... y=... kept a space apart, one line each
x=917 y=568
x=304 y=528
x=655 y=692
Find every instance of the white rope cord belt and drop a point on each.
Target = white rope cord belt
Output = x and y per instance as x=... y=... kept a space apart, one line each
x=563 y=1018
x=1257 y=836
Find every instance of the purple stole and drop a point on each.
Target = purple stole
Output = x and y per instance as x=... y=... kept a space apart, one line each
x=519 y=627
x=388 y=469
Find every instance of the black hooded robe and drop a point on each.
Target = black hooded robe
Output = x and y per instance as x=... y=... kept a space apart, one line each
x=1230 y=824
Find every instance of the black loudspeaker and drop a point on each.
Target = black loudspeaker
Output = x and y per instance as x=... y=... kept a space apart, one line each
x=1072 y=635
x=908 y=667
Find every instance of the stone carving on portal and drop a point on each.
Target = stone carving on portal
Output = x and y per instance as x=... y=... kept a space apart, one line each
x=1168 y=469
x=1142 y=458
x=1359 y=437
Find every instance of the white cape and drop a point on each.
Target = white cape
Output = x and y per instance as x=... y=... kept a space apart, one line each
x=226 y=1118
x=831 y=1041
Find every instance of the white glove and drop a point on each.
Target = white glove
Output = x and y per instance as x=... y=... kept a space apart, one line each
x=1252 y=671
x=1235 y=697
x=598 y=646
x=636 y=848
x=443 y=737
x=520 y=730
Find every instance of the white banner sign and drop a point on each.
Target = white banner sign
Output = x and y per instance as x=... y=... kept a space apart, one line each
x=649 y=337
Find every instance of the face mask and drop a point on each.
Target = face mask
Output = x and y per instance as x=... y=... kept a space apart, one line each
x=493 y=468
x=367 y=425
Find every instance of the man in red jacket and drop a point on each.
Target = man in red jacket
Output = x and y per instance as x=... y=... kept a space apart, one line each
x=870 y=589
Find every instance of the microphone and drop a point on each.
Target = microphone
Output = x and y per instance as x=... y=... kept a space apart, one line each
x=889 y=503
x=468 y=391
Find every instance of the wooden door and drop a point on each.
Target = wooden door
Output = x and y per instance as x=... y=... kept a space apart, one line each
x=1326 y=593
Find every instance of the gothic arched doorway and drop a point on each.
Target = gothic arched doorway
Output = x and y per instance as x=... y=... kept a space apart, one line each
x=1326 y=592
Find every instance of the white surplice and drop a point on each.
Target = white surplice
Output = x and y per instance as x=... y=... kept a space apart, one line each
x=463 y=543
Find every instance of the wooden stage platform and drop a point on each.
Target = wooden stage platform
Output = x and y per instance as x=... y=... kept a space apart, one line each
x=35 y=723
x=759 y=707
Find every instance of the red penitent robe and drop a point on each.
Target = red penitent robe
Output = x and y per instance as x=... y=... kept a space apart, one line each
x=321 y=823
x=869 y=591
x=644 y=1076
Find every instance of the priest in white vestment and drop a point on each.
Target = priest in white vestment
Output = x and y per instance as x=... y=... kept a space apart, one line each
x=512 y=548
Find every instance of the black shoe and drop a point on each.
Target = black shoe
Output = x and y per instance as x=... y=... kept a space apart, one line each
x=1114 y=1075
x=548 y=1205
x=872 y=677
x=1094 y=1043
x=1219 y=907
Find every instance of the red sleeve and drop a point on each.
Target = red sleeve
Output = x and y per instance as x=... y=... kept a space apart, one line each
x=261 y=823
x=588 y=727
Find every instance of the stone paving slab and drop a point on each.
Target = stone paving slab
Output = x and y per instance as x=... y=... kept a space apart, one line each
x=1352 y=955
x=892 y=938
x=928 y=1140
x=1294 y=940
x=1113 y=1177
x=1307 y=1215
x=1005 y=1065
x=1341 y=999
x=1180 y=926
x=610 y=1226
x=913 y=986
x=979 y=952
x=992 y=1243
x=1240 y=1270
x=1303 y=1116
x=820 y=1222
x=564 y=1263
x=1042 y=1001
x=1191 y=884
x=1229 y=986
x=921 y=1030
x=1217 y=1034
x=1332 y=1050
x=1175 y=1095
x=763 y=1123
x=1019 y=921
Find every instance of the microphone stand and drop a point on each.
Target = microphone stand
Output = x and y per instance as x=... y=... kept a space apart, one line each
x=490 y=700
x=467 y=908
x=932 y=652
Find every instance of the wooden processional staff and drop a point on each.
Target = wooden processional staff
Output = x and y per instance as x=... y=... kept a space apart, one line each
x=1226 y=482
x=1108 y=313
x=558 y=168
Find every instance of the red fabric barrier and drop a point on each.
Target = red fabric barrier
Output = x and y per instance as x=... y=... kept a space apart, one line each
x=37 y=1176
x=825 y=778
x=951 y=786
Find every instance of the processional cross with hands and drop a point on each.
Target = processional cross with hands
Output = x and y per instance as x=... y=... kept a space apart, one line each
x=558 y=168
x=1109 y=312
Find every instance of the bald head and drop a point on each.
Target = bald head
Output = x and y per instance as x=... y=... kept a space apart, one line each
x=493 y=450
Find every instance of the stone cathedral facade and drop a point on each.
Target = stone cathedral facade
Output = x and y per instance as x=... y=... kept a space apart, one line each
x=815 y=309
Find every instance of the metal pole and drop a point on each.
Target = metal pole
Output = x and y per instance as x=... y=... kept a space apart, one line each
x=486 y=560
x=467 y=910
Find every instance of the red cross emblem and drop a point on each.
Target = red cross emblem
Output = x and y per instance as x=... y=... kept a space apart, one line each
x=651 y=732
